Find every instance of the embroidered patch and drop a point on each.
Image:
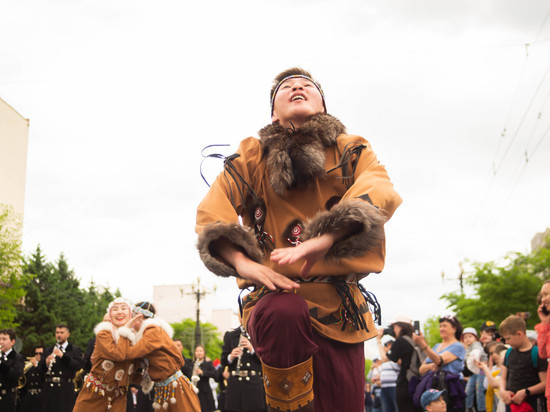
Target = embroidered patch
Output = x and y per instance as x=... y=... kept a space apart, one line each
x=307 y=377
x=107 y=365
x=119 y=374
x=286 y=386
x=293 y=232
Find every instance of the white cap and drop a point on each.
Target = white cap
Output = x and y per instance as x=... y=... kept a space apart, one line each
x=470 y=330
x=401 y=319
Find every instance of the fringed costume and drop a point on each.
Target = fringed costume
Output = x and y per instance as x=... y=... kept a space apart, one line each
x=173 y=390
x=289 y=186
x=106 y=385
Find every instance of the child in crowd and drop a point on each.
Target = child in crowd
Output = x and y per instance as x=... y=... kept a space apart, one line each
x=523 y=371
x=432 y=401
x=492 y=373
x=474 y=388
x=488 y=333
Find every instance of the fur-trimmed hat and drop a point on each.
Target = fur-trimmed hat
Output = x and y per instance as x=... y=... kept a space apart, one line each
x=118 y=301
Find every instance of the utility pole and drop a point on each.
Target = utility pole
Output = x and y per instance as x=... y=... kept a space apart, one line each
x=460 y=277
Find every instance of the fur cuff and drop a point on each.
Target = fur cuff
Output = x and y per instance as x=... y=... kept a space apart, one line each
x=349 y=213
x=236 y=234
x=154 y=322
x=128 y=334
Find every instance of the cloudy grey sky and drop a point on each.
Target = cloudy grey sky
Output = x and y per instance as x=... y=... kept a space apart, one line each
x=123 y=95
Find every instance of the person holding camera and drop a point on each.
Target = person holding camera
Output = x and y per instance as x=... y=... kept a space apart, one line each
x=445 y=362
x=400 y=352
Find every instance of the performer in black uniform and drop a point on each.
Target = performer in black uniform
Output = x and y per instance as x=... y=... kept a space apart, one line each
x=11 y=368
x=245 y=389
x=30 y=394
x=59 y=366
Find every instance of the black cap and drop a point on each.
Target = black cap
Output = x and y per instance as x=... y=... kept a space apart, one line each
x=488 y=325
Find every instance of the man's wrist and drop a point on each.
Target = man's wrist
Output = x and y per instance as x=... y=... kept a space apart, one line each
x=527 y=392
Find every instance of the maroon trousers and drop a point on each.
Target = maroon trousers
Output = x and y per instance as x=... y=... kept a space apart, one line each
x=282 y=337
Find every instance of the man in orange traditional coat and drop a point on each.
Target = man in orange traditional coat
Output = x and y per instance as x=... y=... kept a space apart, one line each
x=313 y=202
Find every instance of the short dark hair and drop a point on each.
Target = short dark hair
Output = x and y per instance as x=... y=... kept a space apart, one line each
x=10 y=332
x=62 y=325
x=288 y=72
x=147 y=306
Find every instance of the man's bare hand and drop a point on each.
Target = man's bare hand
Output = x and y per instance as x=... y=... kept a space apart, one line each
x=236 y=352
x=312 y=250
x=245 y=343
x=258 y=273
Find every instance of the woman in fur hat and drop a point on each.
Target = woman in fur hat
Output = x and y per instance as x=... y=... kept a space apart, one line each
x=153 y=342
x=313 y=201
x=106 y=385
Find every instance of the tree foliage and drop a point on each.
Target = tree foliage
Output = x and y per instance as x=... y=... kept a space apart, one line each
x=185 y=331
x=12 y=278
x=502 y=289
x=54 y=296
x=430 y=330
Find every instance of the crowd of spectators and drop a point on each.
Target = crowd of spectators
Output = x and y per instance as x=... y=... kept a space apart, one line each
x=496 y=368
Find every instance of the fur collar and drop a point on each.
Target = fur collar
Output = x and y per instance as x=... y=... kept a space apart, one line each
x=147 y=323
x=108 y=326
x=296 y=158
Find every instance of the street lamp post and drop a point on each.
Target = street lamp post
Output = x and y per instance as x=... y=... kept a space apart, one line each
x=199 y=291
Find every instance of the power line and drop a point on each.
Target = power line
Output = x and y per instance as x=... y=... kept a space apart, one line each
x=503 y=134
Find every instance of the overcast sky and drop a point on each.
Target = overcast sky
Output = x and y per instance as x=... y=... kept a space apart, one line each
x=123 y=95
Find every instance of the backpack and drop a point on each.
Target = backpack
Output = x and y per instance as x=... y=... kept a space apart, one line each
x=417 y=359
x=534 y=356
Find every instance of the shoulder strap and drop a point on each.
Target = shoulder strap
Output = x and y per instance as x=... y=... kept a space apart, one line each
x=535 y=355
x=508 y=352
x=409 y=340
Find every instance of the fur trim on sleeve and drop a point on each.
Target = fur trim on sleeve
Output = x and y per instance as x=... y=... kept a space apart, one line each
x=148 y=323
x=127 y=333
x=236 y=234
x=349 y=213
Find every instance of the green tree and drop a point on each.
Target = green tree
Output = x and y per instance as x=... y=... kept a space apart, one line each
x=430 y=330
x=368 y=365
x=185 y=331
x=54 y=296
x=502 y=289
x=12 y=278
